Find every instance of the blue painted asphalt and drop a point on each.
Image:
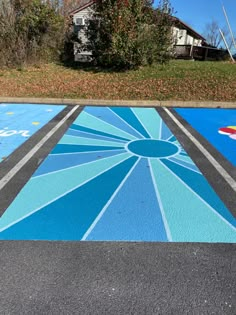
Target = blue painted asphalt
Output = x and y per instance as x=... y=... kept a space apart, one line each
x=208 y=123
x=18 y=122
x=118 y=174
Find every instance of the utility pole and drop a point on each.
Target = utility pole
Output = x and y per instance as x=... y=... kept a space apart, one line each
x=226 y=45
x=230 y=29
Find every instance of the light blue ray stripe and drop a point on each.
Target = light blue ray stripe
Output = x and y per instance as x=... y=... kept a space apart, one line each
x=77 y=133
x=44 y=189
x=200 y=186
x=107 y=115
x=59 y=162
x=66 y=139
x=132 y=214
x=89 y=151
x=100 y=215
x=89 y=121
x=97 y=132
x=189 y=217
x=150 y=120
x=165 y=132
x=184 y=158
x=77 y=148
x=185 y=164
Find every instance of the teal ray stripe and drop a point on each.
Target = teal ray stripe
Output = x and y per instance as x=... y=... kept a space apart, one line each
x=127 y=114
x=199 y=184
x=69 y=217
x=150 y=119
x=96 y=132
x=189 y=218
x=165 y=132
x=183 y=153
x=67 y=139
x=46 y=188
x=72 y=148
x=89 y=121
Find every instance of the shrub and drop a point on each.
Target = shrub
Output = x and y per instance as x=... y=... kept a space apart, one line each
x=30 y=30
x=129 y=33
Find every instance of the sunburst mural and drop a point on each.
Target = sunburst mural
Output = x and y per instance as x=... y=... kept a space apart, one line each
x=118 y=174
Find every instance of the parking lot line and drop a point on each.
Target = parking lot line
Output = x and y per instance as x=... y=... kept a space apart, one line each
x=31 y=153
x=228 y=178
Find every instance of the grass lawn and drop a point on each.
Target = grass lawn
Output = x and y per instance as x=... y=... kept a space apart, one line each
x=179 y=80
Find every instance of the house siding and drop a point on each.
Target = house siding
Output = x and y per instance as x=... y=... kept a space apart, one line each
x=80 y=54
x=84 y=14
x=181 y=37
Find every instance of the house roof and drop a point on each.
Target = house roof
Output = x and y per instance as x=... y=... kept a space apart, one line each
x=190 y=30
x=83 y=4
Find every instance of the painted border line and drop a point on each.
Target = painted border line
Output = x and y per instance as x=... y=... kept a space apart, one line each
x=228 y=178
x=31 y=153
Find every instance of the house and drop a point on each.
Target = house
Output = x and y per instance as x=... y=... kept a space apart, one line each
x=183 y=34
x=188 y=43
x=186 y=40
x=79 y=18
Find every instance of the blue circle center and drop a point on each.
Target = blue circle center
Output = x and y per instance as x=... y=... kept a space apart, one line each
x=153 y=148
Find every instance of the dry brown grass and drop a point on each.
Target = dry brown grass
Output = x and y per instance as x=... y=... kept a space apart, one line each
x=180 y=80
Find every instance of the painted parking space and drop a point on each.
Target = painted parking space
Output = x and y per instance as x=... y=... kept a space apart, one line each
x=18 y=122
x=118 y=174
x=218 y=126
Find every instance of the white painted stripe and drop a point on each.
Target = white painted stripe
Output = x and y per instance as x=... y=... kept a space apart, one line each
x=190 y=162
x=86 y=152
x=104 y=144
x=167 y=228
x=185 y=158
x=228 y=178
x=172 y=136
x=199 y=197
x=96 y=135
x=60 y=196
x=98 y=218
x=32 y=152
x=160 y=128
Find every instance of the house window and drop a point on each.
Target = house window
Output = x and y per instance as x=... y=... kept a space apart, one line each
x=181 y=33
x=79 y=21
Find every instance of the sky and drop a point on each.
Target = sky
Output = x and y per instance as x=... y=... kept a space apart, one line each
x=200 y=12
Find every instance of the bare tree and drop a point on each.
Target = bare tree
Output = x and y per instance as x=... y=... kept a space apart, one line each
x=212 y=33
